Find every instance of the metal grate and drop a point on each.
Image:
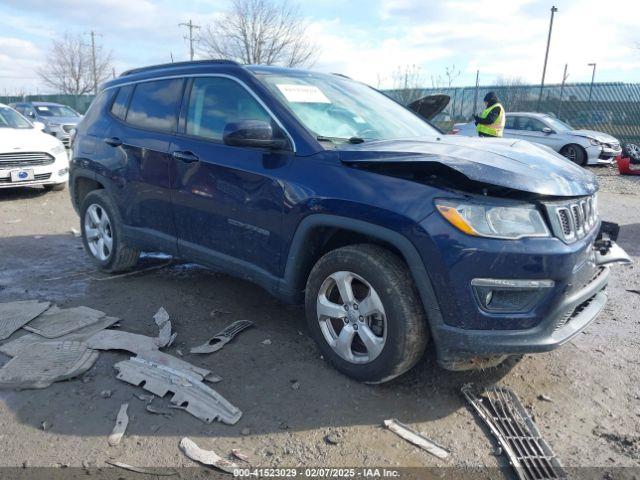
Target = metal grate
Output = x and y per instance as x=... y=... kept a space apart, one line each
x=529 y=453
x=25 y=159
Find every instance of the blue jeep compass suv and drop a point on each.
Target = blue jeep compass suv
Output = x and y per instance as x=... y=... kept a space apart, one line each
x=324 y=191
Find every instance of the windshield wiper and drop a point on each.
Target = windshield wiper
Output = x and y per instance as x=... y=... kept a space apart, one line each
x=354 y=140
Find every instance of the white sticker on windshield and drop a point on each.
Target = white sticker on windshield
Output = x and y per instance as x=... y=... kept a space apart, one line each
x=303 y=93
x=43 y=108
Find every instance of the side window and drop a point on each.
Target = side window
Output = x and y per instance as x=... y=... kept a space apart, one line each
x=119 y=106
x=154 y=105
x=216 y=101
x=531 y=124
x=511 y=123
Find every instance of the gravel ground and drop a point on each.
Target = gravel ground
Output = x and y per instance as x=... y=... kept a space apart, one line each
x=290 y=397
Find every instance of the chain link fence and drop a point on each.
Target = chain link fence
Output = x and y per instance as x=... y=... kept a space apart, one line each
x=613 y=108
x=80 y=103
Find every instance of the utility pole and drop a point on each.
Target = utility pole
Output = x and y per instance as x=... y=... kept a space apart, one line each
x=94 y=68
x=475 y=97
x=565 y=75
x=191 y=27
x=546 y=56
x=593 y=77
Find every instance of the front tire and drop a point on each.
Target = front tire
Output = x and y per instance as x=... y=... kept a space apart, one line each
x=364 y=313
x=575 y=153
x=102 y=234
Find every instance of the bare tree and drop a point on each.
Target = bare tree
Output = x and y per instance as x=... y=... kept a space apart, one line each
x=512 y=92
x=408 y=82
x=263 y=32
x=69 y=67
x=451 y=74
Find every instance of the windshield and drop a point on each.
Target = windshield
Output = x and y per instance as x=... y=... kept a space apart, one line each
x=9 y=118
x=338 y=110
x=55 y=111
x=558 y=125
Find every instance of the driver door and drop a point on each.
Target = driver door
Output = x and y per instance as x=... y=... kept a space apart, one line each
x=531 y=129
x=227 y=200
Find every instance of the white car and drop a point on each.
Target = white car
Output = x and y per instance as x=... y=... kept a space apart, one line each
x=584 y=147
x=28 y=156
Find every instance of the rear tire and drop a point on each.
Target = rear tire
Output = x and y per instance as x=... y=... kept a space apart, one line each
x=384 y=331
x=56 y=187
x=575 y=153
x=102 y=234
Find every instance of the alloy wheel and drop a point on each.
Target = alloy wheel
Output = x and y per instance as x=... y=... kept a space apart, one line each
x=352 y=317
x=98 y=232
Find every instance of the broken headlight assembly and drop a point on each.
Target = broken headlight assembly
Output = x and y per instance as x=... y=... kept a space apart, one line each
x=493 y=220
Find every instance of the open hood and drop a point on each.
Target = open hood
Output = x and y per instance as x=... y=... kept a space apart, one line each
x=517 y=165
x=429 y=106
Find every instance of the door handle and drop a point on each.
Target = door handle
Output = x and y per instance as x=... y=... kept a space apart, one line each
x=113 y=141
x=187 y=157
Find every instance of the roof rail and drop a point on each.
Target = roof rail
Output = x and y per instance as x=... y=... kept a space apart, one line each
x=178 y=64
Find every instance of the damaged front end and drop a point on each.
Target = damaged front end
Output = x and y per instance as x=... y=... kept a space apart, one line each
x=517 y=256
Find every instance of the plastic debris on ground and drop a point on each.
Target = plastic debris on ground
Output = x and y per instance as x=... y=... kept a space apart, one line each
x=56 y=322
x=416 y=438
x=14 y=315
x=201 y=401
x=122 y=421
x=529 y=454
x=205 y=457
x=50 y=362
x=223 y=337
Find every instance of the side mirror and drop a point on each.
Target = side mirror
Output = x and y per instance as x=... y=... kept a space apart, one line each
x=39 y=125
x=547 y=130
x=251 y=133
x=32 y=114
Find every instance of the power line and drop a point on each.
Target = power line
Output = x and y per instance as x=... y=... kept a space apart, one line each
x=190 y=25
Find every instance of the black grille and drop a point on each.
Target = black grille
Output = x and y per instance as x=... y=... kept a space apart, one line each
x=574 y=219
x=36 y=178
x=25 y=159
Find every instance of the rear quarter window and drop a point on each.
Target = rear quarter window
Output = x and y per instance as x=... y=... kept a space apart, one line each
x=119 y=106
x=154 y=105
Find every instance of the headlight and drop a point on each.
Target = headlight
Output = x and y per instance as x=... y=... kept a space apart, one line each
x=595 y=142
x=58 y=149
x=494 y=221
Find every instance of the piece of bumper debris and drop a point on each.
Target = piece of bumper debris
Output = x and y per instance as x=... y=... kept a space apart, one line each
x=189 y=393
x=417 y=439
x=144 y=471
x=165 y=337
x=57 y=322
x=529 y=454
x=50 y=362
x=206 y=457
x=13 y=347
x=146 y=348
x=14 y=315
x=122 y=421
x=219 y=340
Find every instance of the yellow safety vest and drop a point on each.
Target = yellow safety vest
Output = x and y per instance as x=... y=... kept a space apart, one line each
x=496 y=128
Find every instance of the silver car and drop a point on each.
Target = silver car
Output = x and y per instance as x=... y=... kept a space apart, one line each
x=59 y=120
x=584 y=147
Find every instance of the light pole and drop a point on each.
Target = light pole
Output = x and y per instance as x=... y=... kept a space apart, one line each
x=593 y=76
x=546 y=55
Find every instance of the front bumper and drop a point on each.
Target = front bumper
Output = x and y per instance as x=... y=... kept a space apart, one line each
x=63 y=136
x=51 y=174
x=464 y=332
x=602 y=154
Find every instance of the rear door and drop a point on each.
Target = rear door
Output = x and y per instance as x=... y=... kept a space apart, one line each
x=228 y=201
x=145 y=117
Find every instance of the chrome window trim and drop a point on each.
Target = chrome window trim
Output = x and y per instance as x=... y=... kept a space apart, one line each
x=218 y=75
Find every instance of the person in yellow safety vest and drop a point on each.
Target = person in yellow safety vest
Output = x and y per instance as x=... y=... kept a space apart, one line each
x=490 y=123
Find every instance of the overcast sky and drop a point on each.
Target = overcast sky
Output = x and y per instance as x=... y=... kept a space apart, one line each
x=366 y=40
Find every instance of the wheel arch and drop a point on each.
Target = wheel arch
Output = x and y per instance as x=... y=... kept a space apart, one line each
x=319 y=233
x=81 y=186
